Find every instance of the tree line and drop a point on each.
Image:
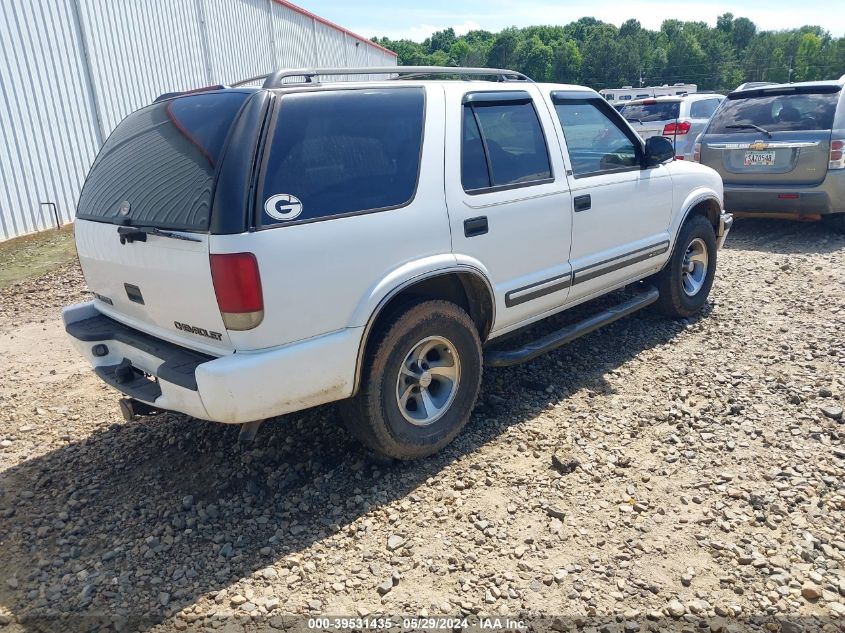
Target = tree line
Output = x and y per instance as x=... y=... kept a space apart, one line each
x=600 y=55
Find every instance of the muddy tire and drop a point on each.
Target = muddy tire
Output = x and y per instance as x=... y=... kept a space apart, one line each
x=420 y=380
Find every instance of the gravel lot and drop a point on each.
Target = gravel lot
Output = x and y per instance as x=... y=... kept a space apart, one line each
x=655 y=473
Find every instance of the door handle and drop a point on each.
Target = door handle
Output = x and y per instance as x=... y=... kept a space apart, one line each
x=582 y=203
x=475 y=226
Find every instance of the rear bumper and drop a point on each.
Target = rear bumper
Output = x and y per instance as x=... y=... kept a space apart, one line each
x=233 y=389
x=819 y=200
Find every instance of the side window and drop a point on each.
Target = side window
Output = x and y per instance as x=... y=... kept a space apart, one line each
x=703 y=109
x=502 y=146
x=339 y=152
x=595 y=142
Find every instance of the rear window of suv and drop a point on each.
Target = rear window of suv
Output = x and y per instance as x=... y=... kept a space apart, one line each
x=340 y=152
x=775 y=112
x=158 y=167
x=645 y=112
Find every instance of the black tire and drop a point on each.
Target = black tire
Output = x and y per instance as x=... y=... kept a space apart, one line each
x=835 y=222
x=674 y=300
x=374 y=415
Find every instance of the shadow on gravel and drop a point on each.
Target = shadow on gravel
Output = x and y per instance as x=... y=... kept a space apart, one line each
x=140 y=520
x=783 y=237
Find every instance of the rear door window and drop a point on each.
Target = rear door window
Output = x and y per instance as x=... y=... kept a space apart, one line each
x=774 y=111
x=157 y=168
x=503 y=144
x=341 y=152
x=645 y=112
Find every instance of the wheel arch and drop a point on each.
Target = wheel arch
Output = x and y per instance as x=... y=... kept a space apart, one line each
x=461 y=284
x=706 y=203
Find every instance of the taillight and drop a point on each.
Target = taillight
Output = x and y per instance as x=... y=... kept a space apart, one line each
x=836 y=159
x=676 y=128
x=696 y=153
x=237 y=285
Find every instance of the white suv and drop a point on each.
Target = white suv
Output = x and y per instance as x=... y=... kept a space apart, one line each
x=257 y=251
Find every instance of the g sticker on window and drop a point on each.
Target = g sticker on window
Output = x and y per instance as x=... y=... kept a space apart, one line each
x=283 y=206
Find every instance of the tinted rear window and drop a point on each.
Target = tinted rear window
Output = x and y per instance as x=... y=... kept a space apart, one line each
x=342 y=151
x=160 y=163
x=645 y=112
x=776 y=112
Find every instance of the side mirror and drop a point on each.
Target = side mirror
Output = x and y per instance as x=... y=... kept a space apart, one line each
x=658 y=150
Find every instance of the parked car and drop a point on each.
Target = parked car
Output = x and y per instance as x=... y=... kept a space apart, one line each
x=779 y=150
x=680 y=119
x=257 y=251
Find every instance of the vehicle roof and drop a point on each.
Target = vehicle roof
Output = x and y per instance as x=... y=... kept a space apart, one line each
x=799 y=84
x=449 y=86
x=696 y=96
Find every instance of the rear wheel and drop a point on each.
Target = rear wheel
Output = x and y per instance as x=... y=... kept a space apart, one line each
x=685 y=281
x=420 y=380
x=835 y=221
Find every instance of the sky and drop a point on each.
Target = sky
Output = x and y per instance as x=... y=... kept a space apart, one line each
x=417 y=19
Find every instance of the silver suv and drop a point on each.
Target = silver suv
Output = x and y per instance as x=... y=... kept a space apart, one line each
x=779 y=150
x=680 y=119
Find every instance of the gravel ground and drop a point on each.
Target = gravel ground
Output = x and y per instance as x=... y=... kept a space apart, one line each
x=654 y=473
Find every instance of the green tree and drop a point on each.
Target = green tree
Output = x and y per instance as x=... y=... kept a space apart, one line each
x=567 y=61
x=441 y=40
x=503 y=51
x=592 y=52
x=743 y=32
x=602 y=54
x=535 y=59
x=808 y=58
x=459 y=52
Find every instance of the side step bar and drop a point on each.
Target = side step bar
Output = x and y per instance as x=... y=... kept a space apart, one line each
x=506 y=358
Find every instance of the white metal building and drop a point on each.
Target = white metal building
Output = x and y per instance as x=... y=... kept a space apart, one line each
x=70 y=70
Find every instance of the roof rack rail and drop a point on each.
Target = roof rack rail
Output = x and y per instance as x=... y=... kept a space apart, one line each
x=275 y=79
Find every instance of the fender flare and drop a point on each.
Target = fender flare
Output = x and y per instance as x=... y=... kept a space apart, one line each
x=477 y=271
x=695 y=198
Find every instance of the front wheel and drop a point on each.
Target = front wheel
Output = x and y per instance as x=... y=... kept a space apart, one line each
x=685 y=281
x=420 y=380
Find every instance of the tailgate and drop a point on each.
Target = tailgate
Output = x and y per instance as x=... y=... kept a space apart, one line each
x=162 y=286
x=788 y=158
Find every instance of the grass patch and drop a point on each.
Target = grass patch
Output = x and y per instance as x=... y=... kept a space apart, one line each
x=30 y=256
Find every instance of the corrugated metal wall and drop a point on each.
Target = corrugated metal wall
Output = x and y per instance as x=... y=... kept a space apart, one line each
x=70 y=70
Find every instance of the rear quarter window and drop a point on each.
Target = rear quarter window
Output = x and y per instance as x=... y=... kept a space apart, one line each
x=158 y=166
x=341 y=152
x=776 y=112
x=703 y=109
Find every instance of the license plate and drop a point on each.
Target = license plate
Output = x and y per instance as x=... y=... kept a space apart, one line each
x=764 y=159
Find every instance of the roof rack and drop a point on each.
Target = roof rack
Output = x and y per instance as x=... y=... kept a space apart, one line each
x=276 y=79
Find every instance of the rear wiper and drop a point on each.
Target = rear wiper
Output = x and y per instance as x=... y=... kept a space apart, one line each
x=749 y=126
x=139 y=234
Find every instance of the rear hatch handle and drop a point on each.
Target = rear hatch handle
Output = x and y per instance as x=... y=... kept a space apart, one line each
x=132 y=234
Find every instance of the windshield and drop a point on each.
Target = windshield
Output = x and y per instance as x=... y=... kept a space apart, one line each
x=157 y=168
x=776 y=112
x=645 y=112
